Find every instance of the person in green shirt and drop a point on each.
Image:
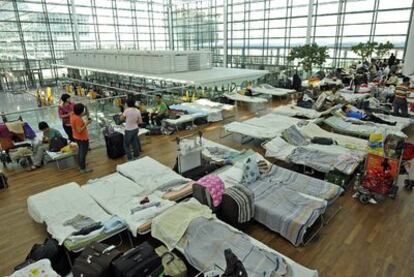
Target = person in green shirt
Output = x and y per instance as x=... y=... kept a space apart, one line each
x=41 y=148
x=160 y=112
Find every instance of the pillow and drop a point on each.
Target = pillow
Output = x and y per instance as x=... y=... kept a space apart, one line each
x=250 y=171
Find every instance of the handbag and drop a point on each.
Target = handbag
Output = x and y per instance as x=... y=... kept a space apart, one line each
x=57 y=143
x=173 y=265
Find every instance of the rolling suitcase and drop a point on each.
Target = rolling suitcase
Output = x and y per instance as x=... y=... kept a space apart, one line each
x=95 y=260
x=115 y=145
x=141 y=261
x=237 y=206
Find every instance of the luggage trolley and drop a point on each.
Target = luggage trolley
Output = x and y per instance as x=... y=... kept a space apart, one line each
x=381 y=171
x=190 y=162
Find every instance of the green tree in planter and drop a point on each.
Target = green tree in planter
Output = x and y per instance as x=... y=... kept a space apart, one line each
x=383 y=48
x=309 y=55
x=364 y=50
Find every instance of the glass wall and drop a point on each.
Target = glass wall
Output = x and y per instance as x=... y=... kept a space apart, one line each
x=261 y=33
x=35 y=34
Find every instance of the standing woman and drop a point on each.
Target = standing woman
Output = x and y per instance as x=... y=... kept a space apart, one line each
x=132 y=118
x=65 y=109
x=80 y=134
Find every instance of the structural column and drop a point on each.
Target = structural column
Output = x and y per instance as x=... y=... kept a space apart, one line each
x=75 y=24
x=170 y=26
x=309 y=28
x=409 y=51
x=225 y=13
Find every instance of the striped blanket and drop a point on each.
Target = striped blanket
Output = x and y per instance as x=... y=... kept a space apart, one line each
x=281 y=203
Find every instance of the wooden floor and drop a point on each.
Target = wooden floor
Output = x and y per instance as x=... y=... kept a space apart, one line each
x=375 y=240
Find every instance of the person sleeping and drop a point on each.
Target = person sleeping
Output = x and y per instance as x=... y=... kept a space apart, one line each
x=364 y=116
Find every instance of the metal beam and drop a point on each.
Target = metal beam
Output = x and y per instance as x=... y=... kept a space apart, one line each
x=309 y=27
x=29 y=72
x=225 y=33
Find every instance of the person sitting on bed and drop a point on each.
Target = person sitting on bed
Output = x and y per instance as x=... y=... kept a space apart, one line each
x=364 y=116
x=41 y=148
x=160 y=112
x=249 y=89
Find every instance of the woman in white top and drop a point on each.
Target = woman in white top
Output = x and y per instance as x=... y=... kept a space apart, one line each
x=132 y=118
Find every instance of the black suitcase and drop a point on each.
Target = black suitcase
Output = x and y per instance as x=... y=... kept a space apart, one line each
x=141 y=261
x=237 y=205
x=95 y=261
x=115 y=145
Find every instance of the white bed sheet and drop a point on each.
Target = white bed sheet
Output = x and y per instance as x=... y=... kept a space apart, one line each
x=264 y=127
x=402 y=122
x=292 y=110
x=347 y=160
x=57 y=205
x=118 y=195
x=353 y=97
x=251 y=130
x=312 y=130
x=211 y=104
x=244 y=98
x=273 y=92
x=209 y=143
x=150 y=174
x=184 y=118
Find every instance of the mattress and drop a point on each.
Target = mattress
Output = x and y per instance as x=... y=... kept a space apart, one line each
x=270 y=91
x=252 y=131
x=312 y=130
x=151 y=175
x=353 y=97
x=213 y=114
x=324 y=158
x=265 y=127
x=282 y=90
x=363 y=128
x=211 y=104
x=292 y=110
x=185 y=118
x=243 y=98
x=60 y=204
x=216 y=152
x=402 y=122
x=295 y=269
x=285 y=201
x=119 y=195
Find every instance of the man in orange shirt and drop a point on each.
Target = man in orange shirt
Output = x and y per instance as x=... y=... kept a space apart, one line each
x=80 y=134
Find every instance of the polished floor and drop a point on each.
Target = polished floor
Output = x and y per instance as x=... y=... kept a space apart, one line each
x=362 y=240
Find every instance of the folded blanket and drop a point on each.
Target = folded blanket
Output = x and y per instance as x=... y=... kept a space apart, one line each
x=205 y=241
x=170 y=226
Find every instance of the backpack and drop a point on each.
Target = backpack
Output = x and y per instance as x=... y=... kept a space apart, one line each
x=52 y=251
x=234 y=267
x=57 y=143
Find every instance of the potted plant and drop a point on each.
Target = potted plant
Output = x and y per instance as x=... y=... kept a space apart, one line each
x=383 y=48
x=364 y=50
x=309 y=55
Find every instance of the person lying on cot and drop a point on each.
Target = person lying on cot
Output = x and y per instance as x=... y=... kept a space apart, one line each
x=364 y=116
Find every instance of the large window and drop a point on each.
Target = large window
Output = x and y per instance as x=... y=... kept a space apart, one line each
x=261 y=33
x=35 y=34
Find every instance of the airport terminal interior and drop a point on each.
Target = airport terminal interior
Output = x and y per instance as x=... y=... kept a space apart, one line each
x=206 y=138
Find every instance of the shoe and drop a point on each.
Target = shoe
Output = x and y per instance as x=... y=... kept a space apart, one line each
x=372 y=201
x=86 y=170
